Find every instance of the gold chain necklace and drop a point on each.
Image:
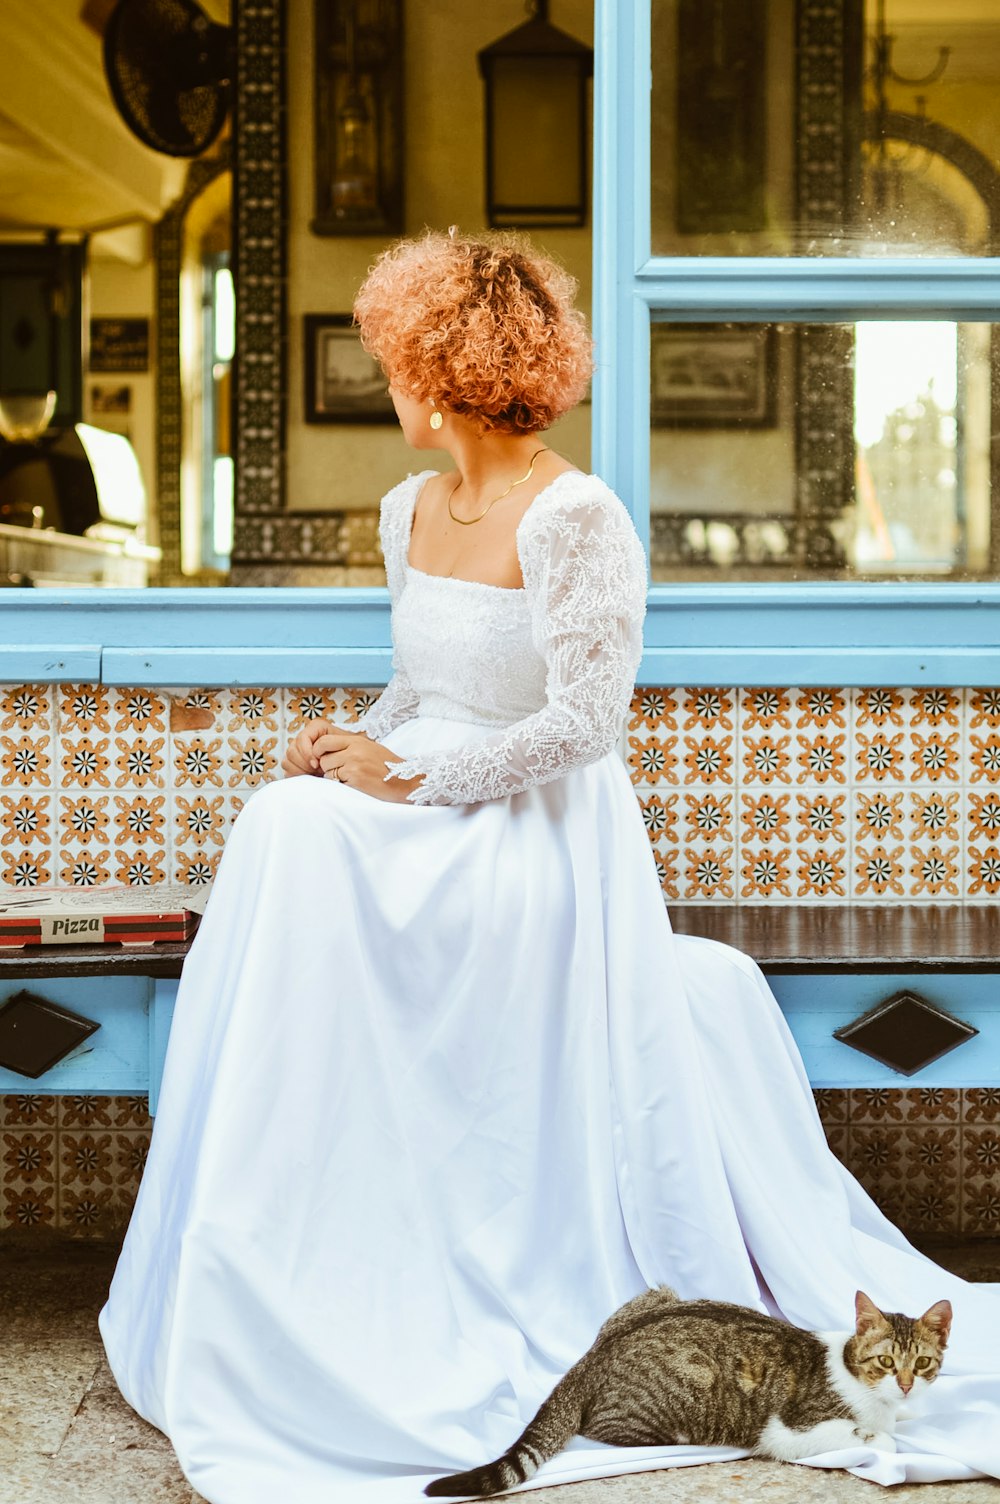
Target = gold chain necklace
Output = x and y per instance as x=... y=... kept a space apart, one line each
x=468 y=521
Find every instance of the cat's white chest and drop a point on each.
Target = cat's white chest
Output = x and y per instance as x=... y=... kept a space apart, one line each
x=874 y=1407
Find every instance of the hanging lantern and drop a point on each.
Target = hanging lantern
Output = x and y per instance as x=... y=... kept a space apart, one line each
x=536 y=124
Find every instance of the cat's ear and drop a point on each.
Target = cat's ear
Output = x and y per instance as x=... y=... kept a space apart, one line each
x=938 y=1318
x=867 y=1313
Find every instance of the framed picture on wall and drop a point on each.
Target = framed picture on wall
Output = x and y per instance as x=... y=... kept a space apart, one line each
x=713 y=375
x=343 y=383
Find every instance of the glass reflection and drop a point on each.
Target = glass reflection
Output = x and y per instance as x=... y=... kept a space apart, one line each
x=844 y=451
x=833 y=127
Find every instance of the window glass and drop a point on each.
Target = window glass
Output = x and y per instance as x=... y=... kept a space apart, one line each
x=840 y=451
x=835 y=127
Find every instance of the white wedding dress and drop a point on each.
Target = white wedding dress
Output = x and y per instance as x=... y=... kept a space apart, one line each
x=443 y=1090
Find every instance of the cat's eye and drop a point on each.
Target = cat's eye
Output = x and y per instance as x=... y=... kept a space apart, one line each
x=886 y=1361
x=922 y=1363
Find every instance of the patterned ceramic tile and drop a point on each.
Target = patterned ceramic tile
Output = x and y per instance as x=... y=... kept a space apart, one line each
x=766 y=871
x=661 y=818
x=822 y=872
x=654 y=710
x=710 y=873
x=653 y=759
x=26 y=707
x=982 y=1104
x=303 y=705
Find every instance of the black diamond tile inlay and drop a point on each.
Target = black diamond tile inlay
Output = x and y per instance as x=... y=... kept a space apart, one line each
x=905 y=1032
x=35 y=1034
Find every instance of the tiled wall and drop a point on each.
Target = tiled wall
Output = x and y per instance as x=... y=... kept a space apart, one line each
x=930 y=1158
x=821 y=795
x=133 y=787
x=782 y=795
x=776 y=795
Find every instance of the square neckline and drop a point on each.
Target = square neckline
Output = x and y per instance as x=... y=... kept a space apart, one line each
x=458 y=579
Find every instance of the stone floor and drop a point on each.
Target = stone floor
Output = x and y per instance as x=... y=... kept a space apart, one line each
x=66 y=1434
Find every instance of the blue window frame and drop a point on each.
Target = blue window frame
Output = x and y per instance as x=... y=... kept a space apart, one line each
x=696 y=634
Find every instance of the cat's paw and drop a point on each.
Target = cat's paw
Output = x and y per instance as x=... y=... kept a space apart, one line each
x=880 y=1440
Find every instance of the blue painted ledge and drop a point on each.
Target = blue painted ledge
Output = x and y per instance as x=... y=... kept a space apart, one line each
x=808 y=634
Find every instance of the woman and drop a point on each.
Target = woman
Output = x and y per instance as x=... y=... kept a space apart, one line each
x=442 y=1088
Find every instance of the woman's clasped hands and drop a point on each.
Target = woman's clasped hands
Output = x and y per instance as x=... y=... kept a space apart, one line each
x=329 y=751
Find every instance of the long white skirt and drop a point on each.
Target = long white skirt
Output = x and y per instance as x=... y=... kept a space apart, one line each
x=442 y=1091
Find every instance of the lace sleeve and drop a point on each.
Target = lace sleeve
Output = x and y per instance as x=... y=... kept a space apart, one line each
x=585 y=572
x=399 y=701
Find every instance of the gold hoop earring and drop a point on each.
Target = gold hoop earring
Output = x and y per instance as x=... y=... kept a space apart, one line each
x=436 y=418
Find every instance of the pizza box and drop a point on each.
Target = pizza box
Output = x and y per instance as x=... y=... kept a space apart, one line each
x=89 y=916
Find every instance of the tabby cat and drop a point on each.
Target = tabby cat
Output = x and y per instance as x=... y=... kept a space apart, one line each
x=665 y=1372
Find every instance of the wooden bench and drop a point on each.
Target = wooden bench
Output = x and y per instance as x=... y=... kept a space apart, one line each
x=827 y=964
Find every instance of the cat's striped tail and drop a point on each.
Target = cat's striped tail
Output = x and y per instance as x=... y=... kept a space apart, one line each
x=557 y=1421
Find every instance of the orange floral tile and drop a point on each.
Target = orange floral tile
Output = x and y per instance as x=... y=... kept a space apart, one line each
x=194 y=869
x=653 y=759
x=821 y=816
x=984 y=815
x=765 y=817
x=84 y=818
x=982 y=1151
x=821 y=872
x=350 y=707
x=880 y=815
x=85 y=1158
x=88 y=1209
x=86 y=1110
x=823 y=759
x=660 y=817
x=983 y=870
x=935 y=872
x=140 y=869
x=253 y=709
x=29 y=1108
x=942 y=1103
x=878 y=871
x=84 y=708
x=653 y=710
x=879 y=707
x=85 y=763
x=709 y=874
x=981 y=1209
x=253 y=761
x=28 y=1154
x=140 y=710
x=984 y=705
x=24 y=762
x=938 y=815
x=26 y=707
x=708 y=760
x=880 y=756
x=985 y=758
x=935 y=756
x=710 y=709
x=766 y=873
x=84 y=869
x=198 y=710
x=26 y=869
x=765 y=760
x=935 y=707
x=197 y=761
x=200 y=819
x=821 y=708
x=25 y=819
x=140 y=763
x=765 y=708
x=667 y=874
x=982 y=1104
x=140 y=817
x=304 y=705
x=29 y=1207
x=709 y=816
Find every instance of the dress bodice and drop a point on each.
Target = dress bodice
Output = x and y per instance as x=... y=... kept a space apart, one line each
x=548 y=668
x=467 y=649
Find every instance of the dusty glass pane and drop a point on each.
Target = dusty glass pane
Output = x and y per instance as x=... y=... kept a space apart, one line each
x=833 y=127
x=824 y=451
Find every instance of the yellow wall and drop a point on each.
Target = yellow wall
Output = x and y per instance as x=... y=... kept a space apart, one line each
x=352 y=465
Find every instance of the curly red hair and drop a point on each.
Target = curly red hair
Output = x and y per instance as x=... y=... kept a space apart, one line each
x=486 y=327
